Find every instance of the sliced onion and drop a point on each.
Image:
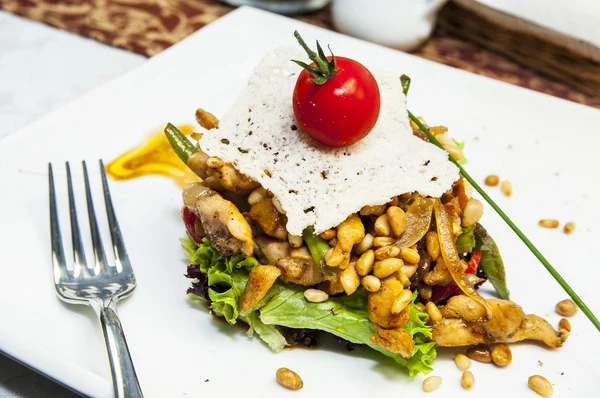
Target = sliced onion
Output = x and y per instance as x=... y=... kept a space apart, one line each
x=418 y=219
x=450 y=254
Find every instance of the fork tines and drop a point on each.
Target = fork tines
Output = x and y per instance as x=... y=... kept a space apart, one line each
x=101 y=266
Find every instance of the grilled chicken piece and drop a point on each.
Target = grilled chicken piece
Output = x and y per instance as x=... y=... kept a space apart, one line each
x=508 y=324
x=197 y=163
x=222 y=177
x=262 y=277
x=234 y=181
x=297 y=265
x=227 y=229
x=395 y=340
x=269 y=219
x=270 y=250
x=301 y=271
x=380 y=305
x=332 y=284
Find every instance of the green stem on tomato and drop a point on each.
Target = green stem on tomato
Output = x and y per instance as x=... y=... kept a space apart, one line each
x=316 y=245
x=323 y=69
x=584 y=308
x=179 y=142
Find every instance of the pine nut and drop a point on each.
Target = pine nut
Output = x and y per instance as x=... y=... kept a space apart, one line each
x=365 y=244
x=384 y=268
x=382 y=225
x=277 y=205
x=349 y=280
x=420 y=307
x=387 y=252
x=257 y=195
x=462 y=361
x=564 y=324
x=569 y=227
x=432 y=383
x=506 y=188
x=435 y=130
x=411 y=256
x=409 y=270
x=295 y=241
x=501 y=355
x=329 y=234
x=381 y=241
x=549 y=223
x=467 y=380
x=472 y=212
x=289 y=379
x=371 y=283
x=450 y=146
x=214 y=163
x=435 y=315
x=365 y=263
x=566 y=307
x=401 y=302
x=480 y=354
x=540 y=385
x=333 y=257
x=315 y=295
x=414 y=126
x=492 y=180
x=403 y=279
x=433 y=245
x=397 y=220
x=394 y=201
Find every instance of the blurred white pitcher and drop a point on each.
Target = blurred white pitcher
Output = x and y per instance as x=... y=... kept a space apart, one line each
x=401 y=24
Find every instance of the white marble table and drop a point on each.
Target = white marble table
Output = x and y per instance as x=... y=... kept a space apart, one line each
x=41 y=69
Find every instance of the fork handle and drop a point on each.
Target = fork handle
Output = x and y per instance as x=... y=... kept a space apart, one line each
x=125 y=381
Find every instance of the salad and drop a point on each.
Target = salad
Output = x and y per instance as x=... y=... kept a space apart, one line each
x=322 y=208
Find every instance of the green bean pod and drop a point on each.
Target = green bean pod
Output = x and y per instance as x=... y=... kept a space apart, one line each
x=179 y=142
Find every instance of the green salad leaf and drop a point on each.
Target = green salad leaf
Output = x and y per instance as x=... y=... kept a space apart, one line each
x=285 y=305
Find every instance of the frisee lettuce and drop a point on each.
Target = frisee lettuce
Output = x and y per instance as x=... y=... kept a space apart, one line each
x=284 y=305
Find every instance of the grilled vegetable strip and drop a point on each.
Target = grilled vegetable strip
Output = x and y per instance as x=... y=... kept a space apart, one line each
x=491 y=262
x=179 y=142
x=450 y=255
x=418 y=219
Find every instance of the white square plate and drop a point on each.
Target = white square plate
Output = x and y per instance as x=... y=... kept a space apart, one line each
x=545 y=146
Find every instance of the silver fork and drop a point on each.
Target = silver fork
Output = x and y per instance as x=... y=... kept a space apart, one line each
x=99 y=287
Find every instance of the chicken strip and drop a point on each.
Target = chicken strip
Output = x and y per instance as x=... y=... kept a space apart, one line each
x=270 y=250
x=508 y=324
x=262 y=277
x=226 y=228
x=301 y=271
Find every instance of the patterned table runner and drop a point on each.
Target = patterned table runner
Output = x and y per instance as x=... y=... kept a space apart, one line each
x=149 y=26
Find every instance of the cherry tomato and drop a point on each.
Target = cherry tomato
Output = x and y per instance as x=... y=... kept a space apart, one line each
x=340 y=111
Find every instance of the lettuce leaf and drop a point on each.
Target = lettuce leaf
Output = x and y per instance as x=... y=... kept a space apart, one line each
x=284 y=305
x=347 y=317
x=226 y=286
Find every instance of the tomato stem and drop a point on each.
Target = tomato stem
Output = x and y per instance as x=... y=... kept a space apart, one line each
x=323 y=69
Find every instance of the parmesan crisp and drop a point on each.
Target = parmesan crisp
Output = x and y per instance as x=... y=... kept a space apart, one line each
x=317 y=185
